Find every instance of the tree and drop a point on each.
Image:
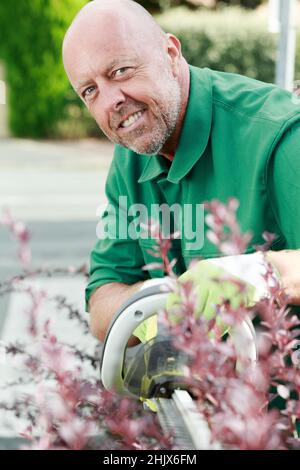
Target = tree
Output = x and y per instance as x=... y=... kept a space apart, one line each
x=32 y=34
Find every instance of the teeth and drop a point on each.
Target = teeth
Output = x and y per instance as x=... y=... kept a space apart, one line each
x=133 y=118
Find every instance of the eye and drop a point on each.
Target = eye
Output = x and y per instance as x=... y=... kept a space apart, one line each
x=88 y=92
x=120 y=72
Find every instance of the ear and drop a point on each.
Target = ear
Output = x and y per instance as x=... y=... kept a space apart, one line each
x=174 y=53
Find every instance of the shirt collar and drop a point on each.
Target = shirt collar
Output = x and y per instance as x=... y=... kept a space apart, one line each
x=194 y=135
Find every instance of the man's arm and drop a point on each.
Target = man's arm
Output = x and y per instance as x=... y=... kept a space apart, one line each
x=287 y=263
x=283 y=183
x=104 y=303
x=116 y=261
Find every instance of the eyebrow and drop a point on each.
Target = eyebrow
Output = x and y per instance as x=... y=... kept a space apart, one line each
x=110 y=66
x=82 y=85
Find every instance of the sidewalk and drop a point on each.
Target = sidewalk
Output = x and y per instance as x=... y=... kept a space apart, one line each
x=53 y=181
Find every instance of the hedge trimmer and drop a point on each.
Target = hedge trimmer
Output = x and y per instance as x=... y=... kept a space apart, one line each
x=153 y=371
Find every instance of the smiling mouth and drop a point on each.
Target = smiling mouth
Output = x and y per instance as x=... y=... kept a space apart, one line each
x=133 y=118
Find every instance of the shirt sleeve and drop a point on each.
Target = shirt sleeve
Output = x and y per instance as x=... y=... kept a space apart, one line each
x=115 y=257
x=284 y=186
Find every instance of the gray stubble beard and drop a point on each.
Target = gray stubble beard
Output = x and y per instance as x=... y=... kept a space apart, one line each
x=164 y=128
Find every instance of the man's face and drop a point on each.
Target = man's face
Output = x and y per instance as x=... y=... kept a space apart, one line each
x=128 y=86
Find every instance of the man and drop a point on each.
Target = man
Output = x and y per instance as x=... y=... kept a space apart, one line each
x=184 y=135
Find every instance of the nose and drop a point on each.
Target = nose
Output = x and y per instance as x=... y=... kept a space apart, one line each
x=112 y=97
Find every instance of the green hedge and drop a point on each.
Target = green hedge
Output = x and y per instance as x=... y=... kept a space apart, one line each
x=161 y=5
x=232 y=40
x=38 y=90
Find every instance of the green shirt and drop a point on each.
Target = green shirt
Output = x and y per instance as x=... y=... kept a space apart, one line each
x=240 y=138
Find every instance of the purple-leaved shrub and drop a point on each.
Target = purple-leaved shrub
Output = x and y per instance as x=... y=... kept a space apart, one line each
x=69 y=410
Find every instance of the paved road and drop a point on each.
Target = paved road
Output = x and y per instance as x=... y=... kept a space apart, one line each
x=55 y=188
x=53 y=245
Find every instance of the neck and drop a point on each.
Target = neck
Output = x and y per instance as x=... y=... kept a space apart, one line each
x=169 y=149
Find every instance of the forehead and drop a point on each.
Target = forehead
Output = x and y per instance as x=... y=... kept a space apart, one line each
x=99 y=47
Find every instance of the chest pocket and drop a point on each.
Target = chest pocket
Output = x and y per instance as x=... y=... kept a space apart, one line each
x=148 y=248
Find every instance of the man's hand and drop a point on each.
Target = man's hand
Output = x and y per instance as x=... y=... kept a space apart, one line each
x=287 y=263
x=237 y=279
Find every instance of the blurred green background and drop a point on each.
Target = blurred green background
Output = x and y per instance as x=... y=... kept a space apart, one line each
x=229 y=36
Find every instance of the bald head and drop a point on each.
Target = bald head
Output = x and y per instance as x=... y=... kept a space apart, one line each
x=128 y=71
x=127 y=13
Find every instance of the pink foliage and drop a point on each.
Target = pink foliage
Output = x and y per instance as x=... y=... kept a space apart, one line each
x=72 y=411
